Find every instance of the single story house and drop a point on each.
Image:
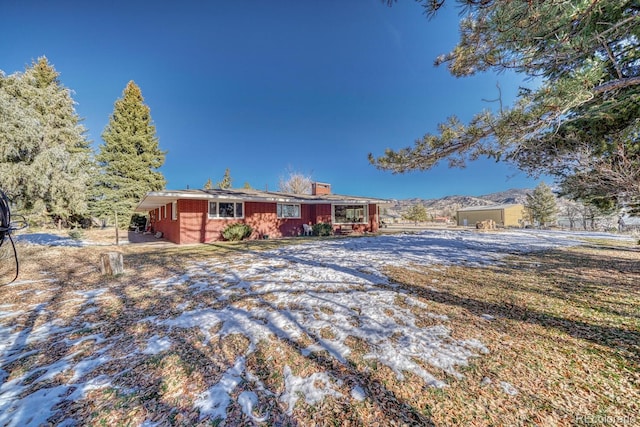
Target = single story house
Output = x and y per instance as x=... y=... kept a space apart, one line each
x=200 y=216
x=507 y=215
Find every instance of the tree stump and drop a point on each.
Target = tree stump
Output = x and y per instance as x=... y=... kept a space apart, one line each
x=111 y=263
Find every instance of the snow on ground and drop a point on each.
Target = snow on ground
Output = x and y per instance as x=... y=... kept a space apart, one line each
x=324 y=290
x=48 y=239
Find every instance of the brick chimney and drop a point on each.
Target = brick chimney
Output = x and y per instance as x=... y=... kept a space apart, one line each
x=319 y=188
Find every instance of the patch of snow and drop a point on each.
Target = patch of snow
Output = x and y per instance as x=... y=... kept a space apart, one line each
x=488 y=317
x=215 y=400
x=44 y=331
x=508 y=388
x=96 y=338
x=157 y=344
x=85 y=366
x=183 y=306
x=90 y=310
x=358 y=393
x=32 y=410
x=476 y=345
x=29 y=282
x=248 y=400
x=12 y=341
x=314 y=388
x=48 y=239
x=10 y=314
x=441 y=317
x=165 y=284
x=101 y=381
x=91 y=294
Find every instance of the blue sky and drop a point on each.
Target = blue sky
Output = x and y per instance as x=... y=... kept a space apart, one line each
x=261 y=87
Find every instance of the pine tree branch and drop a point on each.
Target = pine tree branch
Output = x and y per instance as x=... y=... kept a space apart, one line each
x=616 y=84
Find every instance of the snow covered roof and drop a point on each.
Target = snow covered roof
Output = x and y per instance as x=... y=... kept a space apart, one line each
x=155 y=199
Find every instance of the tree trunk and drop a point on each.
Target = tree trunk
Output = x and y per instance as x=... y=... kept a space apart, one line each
x=117 y=236
x=111 y=263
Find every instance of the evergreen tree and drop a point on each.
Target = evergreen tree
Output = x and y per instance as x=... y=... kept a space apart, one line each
x=45 y=157
x=129 y=158
x=247 y=186
x=579 y=124
x=226 y=181
x=416 y=213
x=541 y=205
x=208 y=185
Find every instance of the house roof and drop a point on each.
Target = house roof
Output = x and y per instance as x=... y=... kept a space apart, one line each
x=490 y=207
x=155 y=199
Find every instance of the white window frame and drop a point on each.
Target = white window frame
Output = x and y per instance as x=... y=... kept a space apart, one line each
x=279 y=210
x=174 y=211
x=216 y=213
x=364 y=205
x=163 y=212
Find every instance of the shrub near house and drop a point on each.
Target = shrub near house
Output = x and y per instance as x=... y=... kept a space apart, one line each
x=237 y=232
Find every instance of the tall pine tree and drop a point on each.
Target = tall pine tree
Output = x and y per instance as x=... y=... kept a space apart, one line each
x=129 y=158
x=541 y=205
x=226 y=180
x=45 y=157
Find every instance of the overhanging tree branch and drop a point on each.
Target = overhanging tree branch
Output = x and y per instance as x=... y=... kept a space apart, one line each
x=588 y=54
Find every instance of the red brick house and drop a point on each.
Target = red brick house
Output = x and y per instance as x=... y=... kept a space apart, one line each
x=199 y=216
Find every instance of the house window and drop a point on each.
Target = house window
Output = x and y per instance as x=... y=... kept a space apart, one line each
x=288 y=210
x=226 y=210
x=163 y=212
x=346 y=214
x=174 y=211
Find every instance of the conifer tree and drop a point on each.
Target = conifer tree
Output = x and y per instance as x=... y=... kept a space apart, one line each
x=541 y=205
x=416 y=213
x=226 y=181
x=45 y=157
x=208 y=185
x=129 y=158
x=579 y=122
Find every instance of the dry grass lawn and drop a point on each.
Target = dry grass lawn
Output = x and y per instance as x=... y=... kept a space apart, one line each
x=562 y=328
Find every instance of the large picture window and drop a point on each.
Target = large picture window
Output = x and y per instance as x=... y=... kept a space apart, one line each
x=346 y=214
x=226 y=210
x=288 y=210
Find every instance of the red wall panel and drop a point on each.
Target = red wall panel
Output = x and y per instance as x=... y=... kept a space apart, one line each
x=194 y=225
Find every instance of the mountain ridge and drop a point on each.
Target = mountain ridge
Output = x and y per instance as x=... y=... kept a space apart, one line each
x=448 y=205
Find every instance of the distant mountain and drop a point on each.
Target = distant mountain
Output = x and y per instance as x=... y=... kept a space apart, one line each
x=447 y=206
x=570 y=213
x=514 y=195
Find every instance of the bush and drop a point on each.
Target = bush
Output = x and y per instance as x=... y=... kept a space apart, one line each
x=322 y=229
x=237 y=232
x=75 y=234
